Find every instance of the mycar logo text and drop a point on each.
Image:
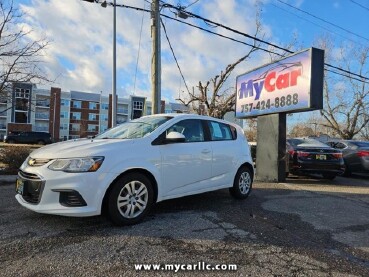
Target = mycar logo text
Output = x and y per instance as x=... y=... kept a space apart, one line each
x=278 y=78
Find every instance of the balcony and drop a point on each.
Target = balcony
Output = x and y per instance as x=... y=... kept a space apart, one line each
x=122 y=111
x=44 y=104
x=41 y=129
x=43 y=116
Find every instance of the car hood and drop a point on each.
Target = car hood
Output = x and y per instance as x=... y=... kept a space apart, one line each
x=82 y=148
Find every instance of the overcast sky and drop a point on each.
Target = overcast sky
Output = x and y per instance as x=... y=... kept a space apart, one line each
x=80 y=53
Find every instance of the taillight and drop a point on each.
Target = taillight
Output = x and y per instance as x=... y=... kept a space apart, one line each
x=337 y=155
x=363 y=153
x=291 y=152
x=302 y=154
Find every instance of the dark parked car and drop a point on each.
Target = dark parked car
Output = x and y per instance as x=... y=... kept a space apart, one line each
x=355 y=155
x=28 y=137
x=309 y=156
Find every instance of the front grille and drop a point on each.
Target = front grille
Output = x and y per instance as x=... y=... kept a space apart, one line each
x=32 y=187
x=28 y=176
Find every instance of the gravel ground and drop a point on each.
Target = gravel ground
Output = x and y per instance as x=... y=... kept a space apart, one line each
x=301 y=228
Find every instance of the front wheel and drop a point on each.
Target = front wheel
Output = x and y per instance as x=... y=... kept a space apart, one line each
x=242 y=183
x=130 y=199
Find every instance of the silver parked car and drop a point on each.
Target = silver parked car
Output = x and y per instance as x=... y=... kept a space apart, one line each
x=355 y=155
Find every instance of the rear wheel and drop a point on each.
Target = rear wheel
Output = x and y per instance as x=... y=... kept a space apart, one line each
x=41 y=142
x=242 y=183
x=329 y=176
x=130 y=199
x=347 y=172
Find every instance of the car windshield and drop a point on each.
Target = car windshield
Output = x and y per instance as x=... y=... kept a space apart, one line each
x=306 y=142
x=137 y=128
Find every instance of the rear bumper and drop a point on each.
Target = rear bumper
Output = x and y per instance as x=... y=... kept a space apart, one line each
x=321 y=168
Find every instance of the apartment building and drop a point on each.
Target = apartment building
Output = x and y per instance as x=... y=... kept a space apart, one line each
x=68 y=115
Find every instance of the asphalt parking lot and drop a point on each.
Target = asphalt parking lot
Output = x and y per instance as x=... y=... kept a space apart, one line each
x=303 y=227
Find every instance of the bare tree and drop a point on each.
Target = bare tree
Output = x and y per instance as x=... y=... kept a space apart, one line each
x=346 y=107
x=20 y=56
x=211 y=98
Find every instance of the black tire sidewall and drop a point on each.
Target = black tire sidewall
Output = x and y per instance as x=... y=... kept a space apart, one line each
x=113 y=211
x=235 y=190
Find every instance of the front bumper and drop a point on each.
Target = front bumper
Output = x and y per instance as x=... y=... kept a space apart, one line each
x=60 y=193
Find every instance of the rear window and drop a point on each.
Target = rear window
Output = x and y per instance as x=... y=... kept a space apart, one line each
x=306 y=142
x=361 y=143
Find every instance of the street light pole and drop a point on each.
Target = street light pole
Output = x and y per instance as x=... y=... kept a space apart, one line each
x=156 y=58
x=114 y=85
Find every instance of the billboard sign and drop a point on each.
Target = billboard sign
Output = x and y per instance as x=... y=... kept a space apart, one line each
x=292 y=84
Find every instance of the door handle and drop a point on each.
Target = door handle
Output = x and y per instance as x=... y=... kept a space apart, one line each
x=206 y=151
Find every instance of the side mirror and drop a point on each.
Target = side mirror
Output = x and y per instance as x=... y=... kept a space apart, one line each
x=174 y=137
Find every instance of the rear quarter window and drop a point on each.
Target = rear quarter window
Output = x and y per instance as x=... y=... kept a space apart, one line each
x=221 y=131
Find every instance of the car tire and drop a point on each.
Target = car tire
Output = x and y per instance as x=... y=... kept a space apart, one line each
x=41 y=142
x=329 y=176
x=242 y=184
x=347 y=172
x=130 y=199
x=11 y=141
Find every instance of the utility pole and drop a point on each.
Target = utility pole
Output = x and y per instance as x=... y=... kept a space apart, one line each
x=114 y=85
x=156 y=58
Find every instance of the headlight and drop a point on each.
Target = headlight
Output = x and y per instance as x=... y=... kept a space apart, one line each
x=89 y=164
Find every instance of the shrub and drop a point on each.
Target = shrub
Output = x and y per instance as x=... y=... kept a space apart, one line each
x=13 y=156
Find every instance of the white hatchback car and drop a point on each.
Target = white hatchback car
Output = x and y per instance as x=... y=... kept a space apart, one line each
x=127 y=169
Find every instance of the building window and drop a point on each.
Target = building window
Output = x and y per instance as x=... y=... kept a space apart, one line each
x=104 y=117
x=92 y=128
x=64 y=126
x=64 y=102
x=76 y=116
x=21 y=104
x=138 y=105
x=92 y=106
x=75 y=127
x=92 y=116
x=74 y=137
x=77 y=104
x=21 y=117
x=103 y=128
x=105 y=106
x=22 y=93
x=64 y=114
x=41 y=115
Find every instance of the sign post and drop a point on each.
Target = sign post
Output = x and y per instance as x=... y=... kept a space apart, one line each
x=292 y=84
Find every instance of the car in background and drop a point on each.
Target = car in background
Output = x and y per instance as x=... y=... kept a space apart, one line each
x=310 y=156
x=355 y=155
x=127 y=169
x=41 y=138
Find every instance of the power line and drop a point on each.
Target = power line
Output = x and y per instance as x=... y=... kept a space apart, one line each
x=259 y=40
x=360 y=5
x=320 y=26
x=275 y=53
x=192 y=4
x=174 y=56
x=351 y=74
x=138 y=51
x=321 y=19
